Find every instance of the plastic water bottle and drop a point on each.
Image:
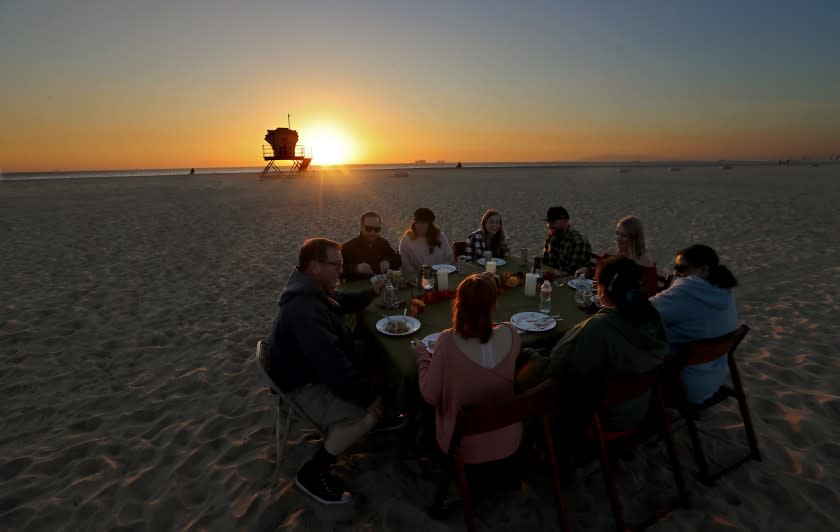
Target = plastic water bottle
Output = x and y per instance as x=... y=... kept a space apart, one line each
x=580 y=290
x=545 y=298
x=389 y=294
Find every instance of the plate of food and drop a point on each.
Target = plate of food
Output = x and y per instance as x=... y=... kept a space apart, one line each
x=499 y=262
x=573 y=283
x=398 y=325
x=448 y=268
x=533 y=321
x=430 y=342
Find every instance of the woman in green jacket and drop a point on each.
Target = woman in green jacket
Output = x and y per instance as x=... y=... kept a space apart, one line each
x=626 y=337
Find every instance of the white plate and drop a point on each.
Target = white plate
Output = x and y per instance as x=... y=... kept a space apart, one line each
x=413 y=325
x=573 y=283
x=533 y=321
x=379 y=277
x=448 y=268
x=430 y=338
x=499 y=262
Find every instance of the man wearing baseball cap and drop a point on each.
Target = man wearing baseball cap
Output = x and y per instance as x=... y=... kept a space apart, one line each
x=565 y=248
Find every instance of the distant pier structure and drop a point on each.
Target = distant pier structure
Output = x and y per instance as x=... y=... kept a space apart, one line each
x=282 y=146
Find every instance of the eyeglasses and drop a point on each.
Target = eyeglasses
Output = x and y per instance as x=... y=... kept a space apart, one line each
x=336 y=263
x=681 y=268
x=373 y=228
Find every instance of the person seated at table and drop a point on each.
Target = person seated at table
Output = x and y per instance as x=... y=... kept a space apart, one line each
x=626 y=337
x=473 y=363
x=630 y=242
x=698 y=305
x=423 y=243
x=490 y=236
x=368 y=253
x=314 y=360
x=565 y=249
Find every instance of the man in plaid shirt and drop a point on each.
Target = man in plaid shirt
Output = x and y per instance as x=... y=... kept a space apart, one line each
x=565 y=248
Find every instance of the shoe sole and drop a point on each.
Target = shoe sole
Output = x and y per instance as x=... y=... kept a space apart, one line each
x=319 y=499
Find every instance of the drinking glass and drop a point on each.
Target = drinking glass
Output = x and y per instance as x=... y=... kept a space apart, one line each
x=523 y=259
x=488 y=256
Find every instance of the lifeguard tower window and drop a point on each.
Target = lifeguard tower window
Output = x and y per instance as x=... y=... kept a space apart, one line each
x=283 y=147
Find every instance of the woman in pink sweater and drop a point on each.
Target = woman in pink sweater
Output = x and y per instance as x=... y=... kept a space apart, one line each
x=473 y=363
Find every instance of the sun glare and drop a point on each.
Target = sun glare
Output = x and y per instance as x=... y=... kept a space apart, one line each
x=329 y=146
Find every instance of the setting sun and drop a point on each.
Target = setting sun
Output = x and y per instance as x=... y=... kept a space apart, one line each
x=328 y=145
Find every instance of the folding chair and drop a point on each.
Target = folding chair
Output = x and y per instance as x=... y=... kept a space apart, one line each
x=701 y=352
x=480 y=419
x=263 y=364
x=459 y=248
x=619 y=390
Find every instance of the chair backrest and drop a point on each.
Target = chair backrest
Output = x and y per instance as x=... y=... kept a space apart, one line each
x=459 y=248
x=621 y=388
x=480 y=419
x=702 y=351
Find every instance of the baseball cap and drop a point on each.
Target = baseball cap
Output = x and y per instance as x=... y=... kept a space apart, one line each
x=556 y=213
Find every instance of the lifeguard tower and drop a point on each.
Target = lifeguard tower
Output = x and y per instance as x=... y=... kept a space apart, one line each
x=282 y=146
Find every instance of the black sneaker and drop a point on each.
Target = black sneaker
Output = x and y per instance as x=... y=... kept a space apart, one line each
x=386 y=424
x=322 y=486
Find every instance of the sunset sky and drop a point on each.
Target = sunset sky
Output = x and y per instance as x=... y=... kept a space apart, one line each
x=196 y=83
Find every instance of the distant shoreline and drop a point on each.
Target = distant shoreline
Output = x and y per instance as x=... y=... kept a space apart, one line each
x=150 y=172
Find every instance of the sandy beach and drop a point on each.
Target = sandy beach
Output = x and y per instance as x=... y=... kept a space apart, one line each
x=130 y=308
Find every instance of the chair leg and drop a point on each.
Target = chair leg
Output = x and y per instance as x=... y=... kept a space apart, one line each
x=439 y=504
x=609 y=478
x=668 y=434
x=745 y=410
x=559 y=497
x=277 y=432
x=290 y=410
x=469 y=516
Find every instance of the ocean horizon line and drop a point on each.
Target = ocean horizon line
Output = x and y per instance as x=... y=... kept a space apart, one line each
x=141 y=172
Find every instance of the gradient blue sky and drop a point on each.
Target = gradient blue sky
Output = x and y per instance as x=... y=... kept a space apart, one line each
x=103 y=84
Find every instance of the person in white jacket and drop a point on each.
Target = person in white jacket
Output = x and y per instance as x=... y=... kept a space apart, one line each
x=423 y=243
x=698 y=305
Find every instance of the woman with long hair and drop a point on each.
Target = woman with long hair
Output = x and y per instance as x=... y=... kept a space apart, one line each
x=699 y=305
x=630 y=242
x=626 y=337
x=473 y=363
x=423 y=243
x=490 y=236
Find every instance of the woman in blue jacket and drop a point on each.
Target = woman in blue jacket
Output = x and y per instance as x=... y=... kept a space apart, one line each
x=698 y=305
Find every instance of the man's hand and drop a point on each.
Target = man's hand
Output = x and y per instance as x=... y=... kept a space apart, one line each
x=378 y=286
x=364 y=268
x=384 y=266
x=377 y=407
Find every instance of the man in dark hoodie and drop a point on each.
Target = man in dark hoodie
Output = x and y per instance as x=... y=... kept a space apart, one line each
x=314 y=360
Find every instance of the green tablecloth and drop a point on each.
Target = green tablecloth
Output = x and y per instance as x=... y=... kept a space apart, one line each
x=437 y=317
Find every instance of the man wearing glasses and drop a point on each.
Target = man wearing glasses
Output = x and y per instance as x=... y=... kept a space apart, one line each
x=314 y=359
x=368 y=254
x=565 y=248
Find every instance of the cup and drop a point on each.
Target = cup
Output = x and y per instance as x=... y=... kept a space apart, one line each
x=490 y=266
x=462 y=264
x=523 y=259
x=488 y=256
x=443 y=280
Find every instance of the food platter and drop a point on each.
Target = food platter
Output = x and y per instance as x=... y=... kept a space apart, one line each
x=398 y=325
x=430 y=342
x=533 y=321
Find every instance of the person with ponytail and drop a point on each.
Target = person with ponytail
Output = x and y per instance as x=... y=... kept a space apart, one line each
x=626 y=337
x=698 y=305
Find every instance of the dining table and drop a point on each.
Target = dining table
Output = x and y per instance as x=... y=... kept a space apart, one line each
x=397 y=352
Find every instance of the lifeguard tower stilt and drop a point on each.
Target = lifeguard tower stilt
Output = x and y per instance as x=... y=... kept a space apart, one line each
x=283 y=147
